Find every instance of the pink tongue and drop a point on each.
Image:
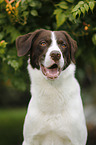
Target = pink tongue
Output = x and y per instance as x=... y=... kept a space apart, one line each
x=52 y=73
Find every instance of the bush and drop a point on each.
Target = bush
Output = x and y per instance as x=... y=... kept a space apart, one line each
x=20 y=17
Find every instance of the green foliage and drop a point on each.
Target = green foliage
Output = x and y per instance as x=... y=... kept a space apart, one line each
x=65 y=10
x=83 y=7
x=10 y=58
x=94 y=39
x=20 y=17
x=16 y=19
x=2 y=48
x=62 y=12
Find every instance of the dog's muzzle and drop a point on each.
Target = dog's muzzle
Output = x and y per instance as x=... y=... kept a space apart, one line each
x=53 y=70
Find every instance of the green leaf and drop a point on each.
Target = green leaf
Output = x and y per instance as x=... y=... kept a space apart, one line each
x=25 y=13
x=71 y=18
x=94 y=39
x=2 y=51
x=14 y=64
x=79 y=12
x=1 y=1
x=81 y=3
x=23 y=1
x=75 y=14
x=24 y=7
x=61 y=18
x=1 y=35
x=91 y=5
x=14 y=36
x=63 y=5
x=33 y=4
x=86 y=7
x=9 y=30
x=70 y=1
x=82 y=10
x=94 y=29
x=34 y=13
x=75 y=8
x=57 y=11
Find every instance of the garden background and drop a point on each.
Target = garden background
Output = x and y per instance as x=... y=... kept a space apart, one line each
x=18 y=17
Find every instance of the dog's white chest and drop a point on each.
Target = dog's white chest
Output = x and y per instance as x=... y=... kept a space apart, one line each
x=63 y=128
x=55 y=113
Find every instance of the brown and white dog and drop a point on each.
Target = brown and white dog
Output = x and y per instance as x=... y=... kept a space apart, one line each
x=55 y=112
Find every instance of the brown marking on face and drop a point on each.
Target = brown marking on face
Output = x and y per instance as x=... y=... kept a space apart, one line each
x=67 y=45
x=64 y=46
x=38 y=42
x=31 y=42
x=39 y=48
x=72 y=46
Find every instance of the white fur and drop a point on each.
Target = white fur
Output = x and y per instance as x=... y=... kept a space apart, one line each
x=54 y=46
x=55 y=112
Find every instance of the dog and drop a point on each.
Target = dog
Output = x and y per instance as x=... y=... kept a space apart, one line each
x=55 y=112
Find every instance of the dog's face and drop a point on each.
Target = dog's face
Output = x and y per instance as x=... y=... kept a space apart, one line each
x=50 y=51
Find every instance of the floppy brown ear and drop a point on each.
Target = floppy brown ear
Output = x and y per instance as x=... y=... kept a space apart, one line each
x=73 y=46
x=23 y=43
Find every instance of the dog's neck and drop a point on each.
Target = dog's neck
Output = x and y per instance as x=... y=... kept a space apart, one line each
x=50 y=95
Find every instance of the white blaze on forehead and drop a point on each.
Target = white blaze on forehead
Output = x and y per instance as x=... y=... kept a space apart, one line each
x=52 y=47
x=54 y=44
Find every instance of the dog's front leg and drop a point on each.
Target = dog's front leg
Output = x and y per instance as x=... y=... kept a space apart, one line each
x=25 y=143
x=32 y=143
x=33 y=127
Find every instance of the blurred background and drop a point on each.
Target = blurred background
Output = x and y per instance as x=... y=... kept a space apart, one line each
x=18 y=17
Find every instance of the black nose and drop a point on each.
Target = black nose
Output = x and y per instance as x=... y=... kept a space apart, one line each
x=55 y=55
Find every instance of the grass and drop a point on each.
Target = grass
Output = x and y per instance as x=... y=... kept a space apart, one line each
x=11 y=126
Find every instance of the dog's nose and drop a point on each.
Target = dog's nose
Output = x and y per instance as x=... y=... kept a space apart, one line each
x=55 y=55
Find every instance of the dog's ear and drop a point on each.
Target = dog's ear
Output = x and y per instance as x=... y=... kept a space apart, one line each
x=24 y=42
x=73 y=46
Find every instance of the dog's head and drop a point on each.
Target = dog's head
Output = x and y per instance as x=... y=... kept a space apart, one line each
x=50 y=51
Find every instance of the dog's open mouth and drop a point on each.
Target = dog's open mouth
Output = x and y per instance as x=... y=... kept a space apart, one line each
x=51 y=72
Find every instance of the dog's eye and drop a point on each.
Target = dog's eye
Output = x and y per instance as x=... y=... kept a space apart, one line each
x=63 y=45
x=43 y=43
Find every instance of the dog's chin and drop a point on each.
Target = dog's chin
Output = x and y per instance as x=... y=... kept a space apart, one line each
x=52 y=72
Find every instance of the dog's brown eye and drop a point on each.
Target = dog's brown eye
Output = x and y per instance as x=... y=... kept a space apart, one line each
x=43 y=43
x=63 y=45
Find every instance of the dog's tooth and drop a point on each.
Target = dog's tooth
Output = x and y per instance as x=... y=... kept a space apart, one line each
x=57 y=72
x=48 y=72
